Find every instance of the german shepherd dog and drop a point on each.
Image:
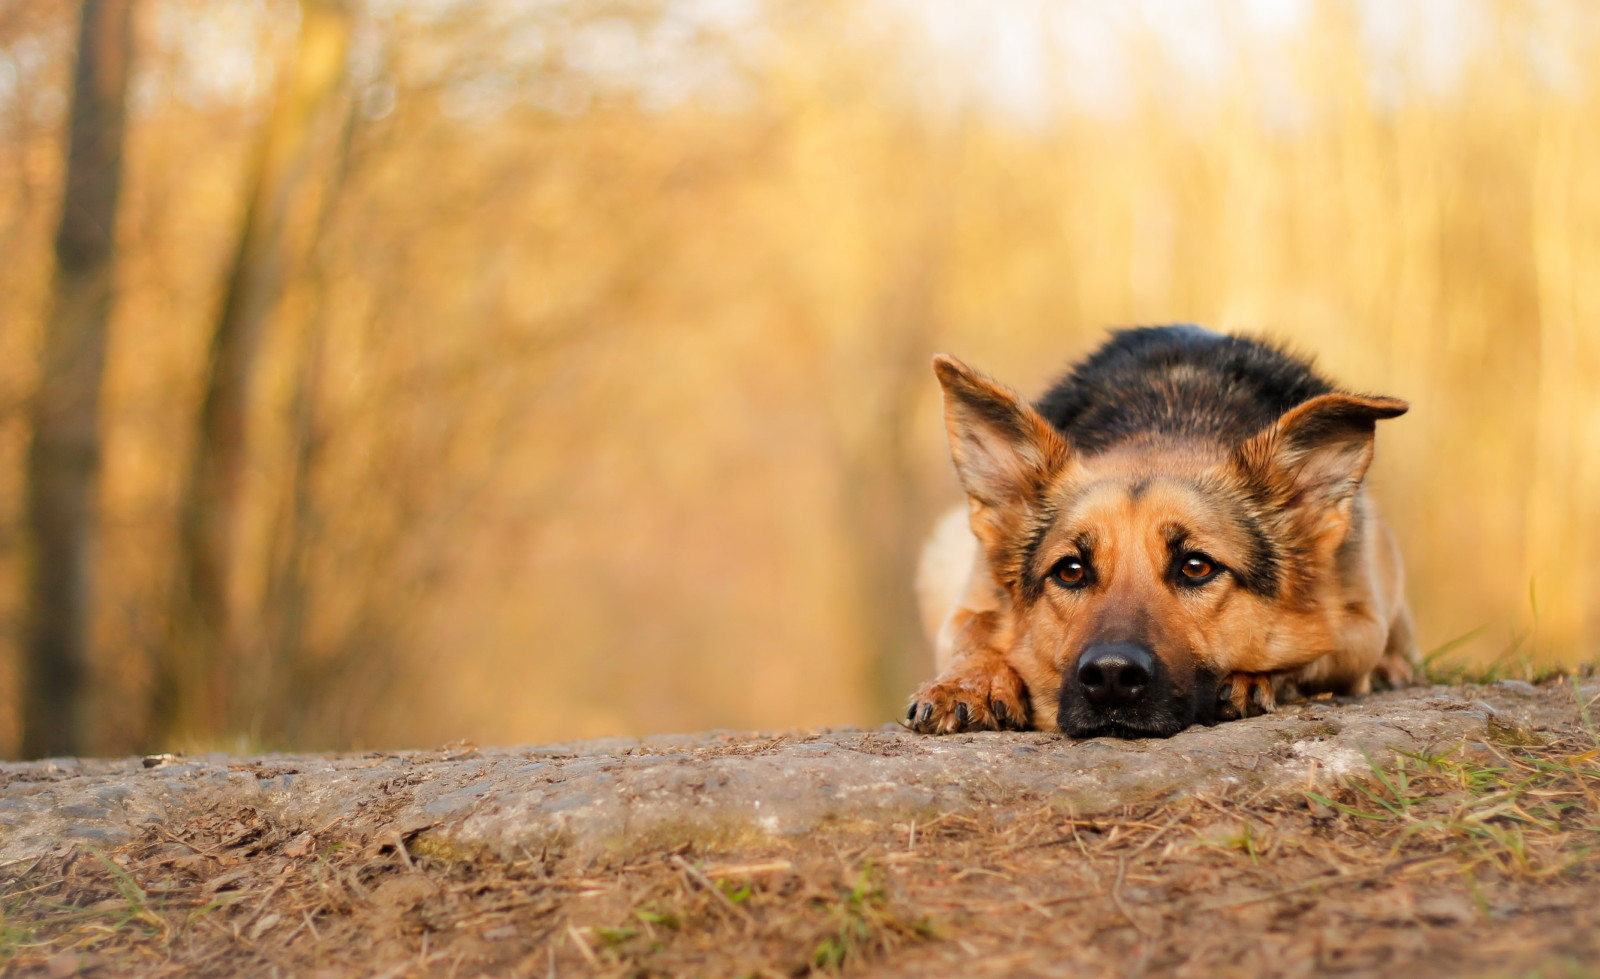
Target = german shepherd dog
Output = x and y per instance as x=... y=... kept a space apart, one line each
x=1175 y=533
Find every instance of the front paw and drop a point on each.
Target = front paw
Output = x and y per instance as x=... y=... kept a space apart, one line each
x=1246 y=695
x=983 y=696
x=1395 y=671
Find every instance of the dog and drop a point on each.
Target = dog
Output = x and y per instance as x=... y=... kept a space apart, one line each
x=1175 y=533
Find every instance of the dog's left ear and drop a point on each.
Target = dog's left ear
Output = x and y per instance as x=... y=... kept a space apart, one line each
x=1313 y=458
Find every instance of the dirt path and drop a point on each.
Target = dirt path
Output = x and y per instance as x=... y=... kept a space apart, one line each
x=1437 y=832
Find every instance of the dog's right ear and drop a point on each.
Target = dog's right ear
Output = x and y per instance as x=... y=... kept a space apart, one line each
x=1004 y=451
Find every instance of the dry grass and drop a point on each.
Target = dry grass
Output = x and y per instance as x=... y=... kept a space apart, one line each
x=1471 y=860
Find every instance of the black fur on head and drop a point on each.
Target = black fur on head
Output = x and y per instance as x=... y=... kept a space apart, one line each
x=1179 y=382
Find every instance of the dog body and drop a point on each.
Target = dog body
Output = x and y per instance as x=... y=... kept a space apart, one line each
x=1175 y=533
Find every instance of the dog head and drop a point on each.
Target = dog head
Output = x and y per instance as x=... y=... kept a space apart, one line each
x=1140 y=575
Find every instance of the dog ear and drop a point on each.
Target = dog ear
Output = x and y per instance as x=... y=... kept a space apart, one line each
x=1313 y=458
x=1004 y=451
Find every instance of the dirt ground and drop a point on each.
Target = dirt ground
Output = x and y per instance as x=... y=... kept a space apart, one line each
x=1470 y=859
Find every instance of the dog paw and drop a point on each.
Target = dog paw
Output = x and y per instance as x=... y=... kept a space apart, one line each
x=1246 y=695
x=983 y=696
x=1394 y=672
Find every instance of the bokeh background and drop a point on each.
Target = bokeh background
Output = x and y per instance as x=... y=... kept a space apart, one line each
x=520 y=371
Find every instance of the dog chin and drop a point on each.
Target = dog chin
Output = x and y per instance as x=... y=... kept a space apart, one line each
x=1160 y=718
x=1115 y=729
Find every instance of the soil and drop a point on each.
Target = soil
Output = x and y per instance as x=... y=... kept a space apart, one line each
x=1444 y=831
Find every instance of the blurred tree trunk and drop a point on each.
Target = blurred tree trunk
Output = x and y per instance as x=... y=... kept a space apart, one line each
x=64 y=455
x=197 y=679
x=282 y=698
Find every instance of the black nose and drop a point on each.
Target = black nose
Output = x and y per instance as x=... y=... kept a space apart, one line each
x=1115 y=674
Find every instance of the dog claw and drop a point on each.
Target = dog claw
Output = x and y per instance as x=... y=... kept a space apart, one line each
x=962 y=715
x=1246 y=695
x=998 y=709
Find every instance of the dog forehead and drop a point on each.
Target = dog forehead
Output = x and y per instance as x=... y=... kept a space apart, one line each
x=1133 y=503
x=1140 y=514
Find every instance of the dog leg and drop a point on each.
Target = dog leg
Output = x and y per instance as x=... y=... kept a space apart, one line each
x=1400 y=665
x=977 y=690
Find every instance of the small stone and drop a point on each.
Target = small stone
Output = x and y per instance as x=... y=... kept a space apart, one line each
x=264 y=925
x=1518 y=686
x=1446 y=909
x=65 y=964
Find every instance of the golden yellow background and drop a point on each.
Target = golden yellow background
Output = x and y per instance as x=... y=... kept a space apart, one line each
x=597 y=400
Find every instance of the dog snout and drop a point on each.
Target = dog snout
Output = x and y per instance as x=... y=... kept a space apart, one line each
x=1115 y=674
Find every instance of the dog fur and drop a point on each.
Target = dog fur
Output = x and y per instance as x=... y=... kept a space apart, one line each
x=1176 y=533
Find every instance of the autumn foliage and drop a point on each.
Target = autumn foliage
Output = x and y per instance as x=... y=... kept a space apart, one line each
x=592 y=388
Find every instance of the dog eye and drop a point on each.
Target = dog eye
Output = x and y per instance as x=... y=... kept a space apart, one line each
x=1071 y=572
x=1196 y=568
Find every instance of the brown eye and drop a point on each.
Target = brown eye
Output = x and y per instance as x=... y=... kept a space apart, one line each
x=1196 y=569
x=1071 y=572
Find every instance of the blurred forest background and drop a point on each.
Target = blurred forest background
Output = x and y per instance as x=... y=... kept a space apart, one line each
x=524 y=371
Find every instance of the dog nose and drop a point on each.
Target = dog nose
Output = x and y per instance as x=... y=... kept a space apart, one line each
x=1115 y=674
